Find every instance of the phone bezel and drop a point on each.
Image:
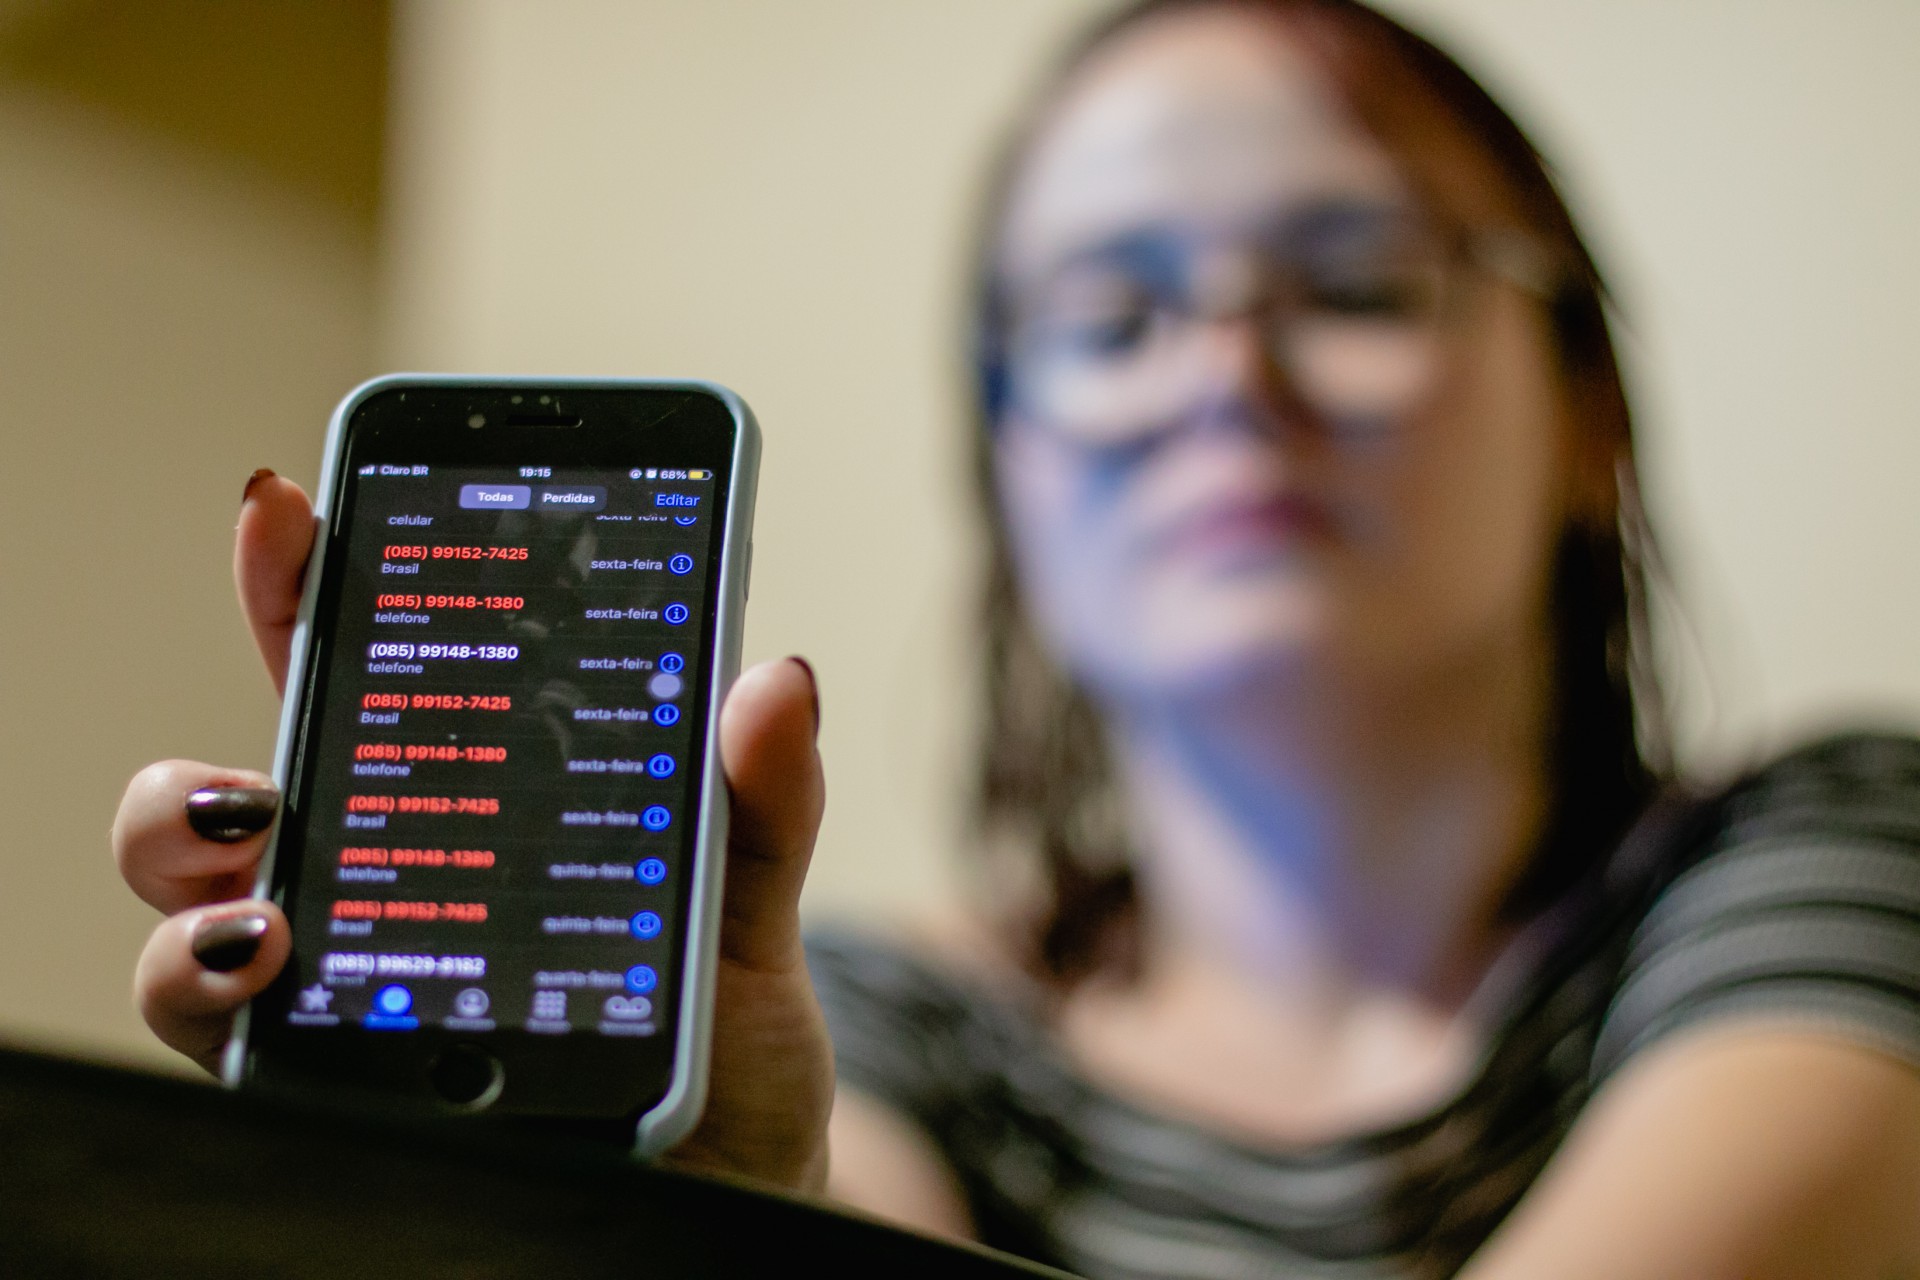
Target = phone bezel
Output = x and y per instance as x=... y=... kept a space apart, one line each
x=653 y=1084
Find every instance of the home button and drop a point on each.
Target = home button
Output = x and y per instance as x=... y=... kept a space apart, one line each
x=467 y=1076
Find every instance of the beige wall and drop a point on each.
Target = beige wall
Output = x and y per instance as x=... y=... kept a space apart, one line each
x=771 y=195
x=176 y=309
x=1748 y=170
x=775 y=195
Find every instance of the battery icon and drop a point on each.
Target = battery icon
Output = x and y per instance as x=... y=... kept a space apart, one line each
x=698 y=474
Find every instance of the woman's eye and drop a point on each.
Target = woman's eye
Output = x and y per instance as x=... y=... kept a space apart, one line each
x=1110 y=333
x=1370 y=295
x=1383 y=280
x=1111 y=326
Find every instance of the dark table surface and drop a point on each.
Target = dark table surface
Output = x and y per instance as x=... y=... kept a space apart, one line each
x=107 y=1172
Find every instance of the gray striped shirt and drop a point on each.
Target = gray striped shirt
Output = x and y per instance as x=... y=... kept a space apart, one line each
x=1794 y=894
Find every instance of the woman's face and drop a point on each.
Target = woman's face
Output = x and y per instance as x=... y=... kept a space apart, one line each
x=1264 y=417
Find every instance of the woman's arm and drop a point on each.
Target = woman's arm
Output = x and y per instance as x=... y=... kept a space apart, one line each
x=1749 y=1151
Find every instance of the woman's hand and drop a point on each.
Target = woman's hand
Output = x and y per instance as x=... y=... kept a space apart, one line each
x=189 y=837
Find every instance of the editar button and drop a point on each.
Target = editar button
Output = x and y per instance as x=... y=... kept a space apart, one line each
x=496 y=497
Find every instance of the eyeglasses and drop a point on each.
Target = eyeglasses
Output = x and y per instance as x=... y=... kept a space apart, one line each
x=1353 y=303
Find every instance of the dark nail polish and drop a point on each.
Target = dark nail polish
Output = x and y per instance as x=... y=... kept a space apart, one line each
x=813 y=687
x=264 y=473
x=229 y=814
x=229 y=943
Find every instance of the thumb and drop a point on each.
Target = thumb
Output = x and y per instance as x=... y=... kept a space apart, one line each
x=767 y=732
x=270 y=550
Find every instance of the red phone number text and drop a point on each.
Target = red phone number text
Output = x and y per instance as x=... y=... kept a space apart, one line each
x=427 y=751
x=437 y=701
x=409 y=601
x=420 y=551
x=457 y=912
x=484 y=806
x=373 y=856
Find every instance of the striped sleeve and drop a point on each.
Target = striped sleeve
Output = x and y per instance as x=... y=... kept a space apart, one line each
x=1803 y=906
x=901 y=1031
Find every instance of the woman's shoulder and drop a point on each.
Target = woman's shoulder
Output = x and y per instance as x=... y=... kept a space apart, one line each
x=1790 y=894
x=921 y=1012
x=950 y=957
x=1862 y=783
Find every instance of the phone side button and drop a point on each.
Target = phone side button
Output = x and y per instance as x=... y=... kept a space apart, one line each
x=746 y=578
x=467 y=1076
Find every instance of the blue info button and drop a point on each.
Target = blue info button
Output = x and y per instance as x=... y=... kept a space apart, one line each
x=496 y=497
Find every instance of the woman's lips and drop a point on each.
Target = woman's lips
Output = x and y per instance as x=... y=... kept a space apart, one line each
x=1232 y=528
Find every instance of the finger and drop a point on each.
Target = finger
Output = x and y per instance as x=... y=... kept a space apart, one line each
x=201 y=966
x=189 y=833
x=767 y=733
x=270 y=550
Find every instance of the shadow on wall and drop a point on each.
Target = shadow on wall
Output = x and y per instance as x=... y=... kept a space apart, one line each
x=189 y=209
x=293 y=94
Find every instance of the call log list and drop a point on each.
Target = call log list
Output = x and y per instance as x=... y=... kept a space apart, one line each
x=502 y=765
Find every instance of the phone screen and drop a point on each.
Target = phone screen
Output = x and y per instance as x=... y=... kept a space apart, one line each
x=499 y=780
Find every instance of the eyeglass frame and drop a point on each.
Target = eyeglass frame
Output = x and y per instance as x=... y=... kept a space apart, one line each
x=1504 y=253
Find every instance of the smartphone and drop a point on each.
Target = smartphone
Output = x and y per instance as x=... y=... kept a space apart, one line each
x=504 y=817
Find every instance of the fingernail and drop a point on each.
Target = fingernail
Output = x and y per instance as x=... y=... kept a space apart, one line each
x=229 y=814
x=230 y=942
x=813 y=689
x=264 y=473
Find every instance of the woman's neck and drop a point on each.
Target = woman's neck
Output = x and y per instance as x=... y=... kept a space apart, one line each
x=1313 y=842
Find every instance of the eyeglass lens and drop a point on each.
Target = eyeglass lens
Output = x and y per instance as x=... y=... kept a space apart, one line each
x=1349 y=300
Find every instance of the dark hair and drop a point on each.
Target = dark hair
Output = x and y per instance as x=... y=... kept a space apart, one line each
x=1046 y=804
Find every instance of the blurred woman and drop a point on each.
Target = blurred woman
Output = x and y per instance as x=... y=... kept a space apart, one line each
x=1344 y=920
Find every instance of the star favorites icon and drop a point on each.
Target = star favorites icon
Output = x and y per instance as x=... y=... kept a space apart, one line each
x=315 y=999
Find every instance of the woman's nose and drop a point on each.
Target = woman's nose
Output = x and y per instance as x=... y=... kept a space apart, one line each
x=1243 y=381
x=1233 y=310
